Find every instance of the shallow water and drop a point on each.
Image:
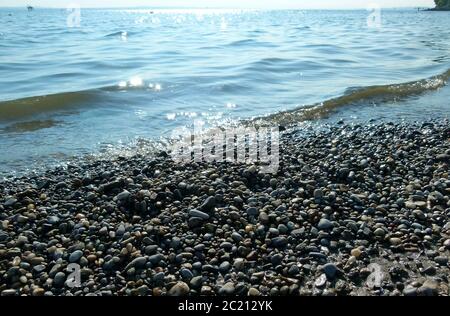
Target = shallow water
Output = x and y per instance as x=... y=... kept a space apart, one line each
x=131 y=74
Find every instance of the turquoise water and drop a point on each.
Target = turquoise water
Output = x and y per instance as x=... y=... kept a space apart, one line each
x=127 y=75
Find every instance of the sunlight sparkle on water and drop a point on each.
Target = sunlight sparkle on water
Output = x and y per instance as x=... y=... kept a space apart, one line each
x=136 y=82
x=155 y=86
x=171 y=116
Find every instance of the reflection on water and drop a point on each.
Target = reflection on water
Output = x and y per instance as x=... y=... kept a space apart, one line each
x=30 y=126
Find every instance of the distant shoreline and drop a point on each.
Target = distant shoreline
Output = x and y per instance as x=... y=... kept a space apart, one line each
x=438 y=9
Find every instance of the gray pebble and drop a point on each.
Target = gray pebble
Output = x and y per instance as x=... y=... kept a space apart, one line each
x=75 y=256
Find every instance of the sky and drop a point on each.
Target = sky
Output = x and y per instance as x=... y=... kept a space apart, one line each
x=256 y=4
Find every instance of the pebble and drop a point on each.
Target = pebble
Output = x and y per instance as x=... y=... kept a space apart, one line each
x=75 y=256
x=38 y=291
x=364 y=163
x=239 y=264
x=236 y=237
x=186 y=274
x=208 y=204
x=253 y=292
x=330 y=270
x=410 y=291
x=155 y=259
x=321 y=280
x=419 y=214
x=10 y=202
x=22 y=219
x=356 y=252
x=125 y=195
x=3 y=236
x=196 y=282
x=379 y=232
x=318 y=194
x=345 y=196
x=252 y=211
x=137 y=263
x=198 y=214
x=194 y=222
x=224 y=267
x=159 y=277
x=325 y=224
x=279 y=242
x=179 y=289
x=59 y=279
x=227 y=290
x=9 y=292
x=395 y=241
x=441 y=260
x=447 y=243
x=429 y=288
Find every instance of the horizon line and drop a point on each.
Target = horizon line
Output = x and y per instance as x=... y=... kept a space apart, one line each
x=195 y=7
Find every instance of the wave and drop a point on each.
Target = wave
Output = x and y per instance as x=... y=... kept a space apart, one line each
x=249 y=42
x=356 y=97
x=16 y=109
x=118 y=33
x=21 y=108
x=26 y=107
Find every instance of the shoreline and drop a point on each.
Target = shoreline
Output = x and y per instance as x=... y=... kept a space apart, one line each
x=438 y=9
x=353 y=210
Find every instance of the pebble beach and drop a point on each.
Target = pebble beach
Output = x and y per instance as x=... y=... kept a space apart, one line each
x=353 y=210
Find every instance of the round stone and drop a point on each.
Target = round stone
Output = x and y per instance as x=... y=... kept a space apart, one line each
x=395 y=241
x=59 y=279
x=356 y=252
x=75 y=256
x=330 y=270
x=227 y=289
x=253 y=292
x=441 y=260
x=179 y=289
x=186 y=274
x=324 y=224
x=380 y=232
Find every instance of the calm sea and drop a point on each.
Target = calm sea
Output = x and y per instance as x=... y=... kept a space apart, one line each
x=121 y=77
